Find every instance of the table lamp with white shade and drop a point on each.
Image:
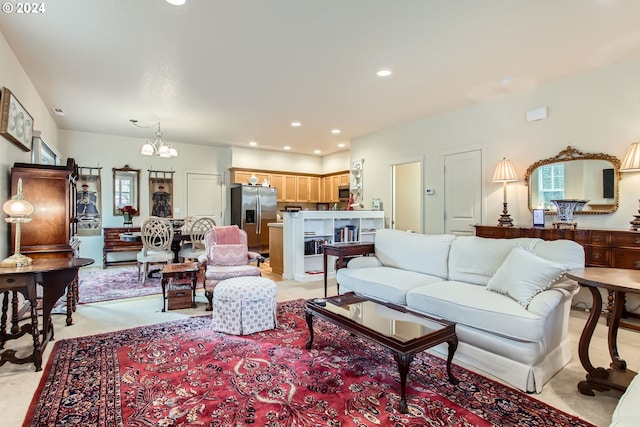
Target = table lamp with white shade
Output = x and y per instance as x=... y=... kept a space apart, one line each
x=18 y=210
x=631 y=163
x=505 y=173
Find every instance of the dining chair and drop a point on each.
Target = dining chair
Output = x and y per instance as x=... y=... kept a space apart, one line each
x=195 y=246
x=157 y=235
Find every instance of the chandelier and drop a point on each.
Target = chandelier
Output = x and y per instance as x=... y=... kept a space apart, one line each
x=157 y=147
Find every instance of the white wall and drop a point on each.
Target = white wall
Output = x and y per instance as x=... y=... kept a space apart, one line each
x=597 y=111
x=13 y=77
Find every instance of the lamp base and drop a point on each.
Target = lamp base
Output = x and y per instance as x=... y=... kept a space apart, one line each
x=16 y=260
x=505 y=219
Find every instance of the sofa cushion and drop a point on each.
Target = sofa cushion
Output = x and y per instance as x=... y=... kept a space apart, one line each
x=386 y=283
x=421 y=253
x=626 y=412
x=476 y=259
x=523 y=275
x=472 y=305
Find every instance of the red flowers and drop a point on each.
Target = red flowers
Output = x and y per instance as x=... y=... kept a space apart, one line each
x=129 y=210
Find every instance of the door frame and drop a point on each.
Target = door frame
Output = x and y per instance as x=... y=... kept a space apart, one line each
x=412 y=159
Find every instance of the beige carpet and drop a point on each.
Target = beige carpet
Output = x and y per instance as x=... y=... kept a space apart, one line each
x=19 y=382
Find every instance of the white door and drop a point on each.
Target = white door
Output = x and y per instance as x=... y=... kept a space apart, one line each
x=462 y=192
x=204 y=196
x=407 y=197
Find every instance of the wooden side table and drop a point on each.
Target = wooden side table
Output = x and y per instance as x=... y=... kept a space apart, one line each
x=342 y=250
x=619 y=281
x=185 y=273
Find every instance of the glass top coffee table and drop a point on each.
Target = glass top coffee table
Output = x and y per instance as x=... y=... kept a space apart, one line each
x=402 y=331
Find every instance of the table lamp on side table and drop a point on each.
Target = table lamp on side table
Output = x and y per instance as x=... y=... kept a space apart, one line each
x=631 y=163
x=18 y=210
x=505 y=173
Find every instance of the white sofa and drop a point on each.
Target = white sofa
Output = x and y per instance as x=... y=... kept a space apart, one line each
x=626 y=412
x=475 y=282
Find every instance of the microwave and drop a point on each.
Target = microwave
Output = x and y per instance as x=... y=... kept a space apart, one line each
x=343 y=193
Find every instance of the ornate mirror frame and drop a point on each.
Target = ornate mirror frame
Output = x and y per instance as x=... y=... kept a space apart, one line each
x=569 y=154
x=126 y=189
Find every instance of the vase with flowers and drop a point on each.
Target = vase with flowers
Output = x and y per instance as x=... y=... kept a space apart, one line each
x=128 y=213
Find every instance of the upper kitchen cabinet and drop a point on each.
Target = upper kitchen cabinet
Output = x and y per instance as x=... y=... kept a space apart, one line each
x=286 y=185
x=308 y=189
x=243 y=176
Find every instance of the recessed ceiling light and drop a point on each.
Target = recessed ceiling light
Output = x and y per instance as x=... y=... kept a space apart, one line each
x=385 y=72
x=335 y=131
x=317 y=151
x=506 y=81
x=286 y=147
x=296 y=124
x=342 y=145
x=177 y=2
x=253 y=143
x=58 y=111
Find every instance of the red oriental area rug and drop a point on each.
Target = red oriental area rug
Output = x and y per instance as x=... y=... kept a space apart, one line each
x=180 y=373
x=115 y=283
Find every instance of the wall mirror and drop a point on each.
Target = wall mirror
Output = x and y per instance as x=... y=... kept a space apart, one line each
x=572 y=174
x=126 y=189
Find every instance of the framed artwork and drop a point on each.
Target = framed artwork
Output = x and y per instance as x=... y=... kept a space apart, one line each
x=538 y=217
x=89 y=201
x=16 y=124
x=161 y=193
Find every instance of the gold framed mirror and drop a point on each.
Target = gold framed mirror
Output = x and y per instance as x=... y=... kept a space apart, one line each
x=591 y=178
x=126 y=189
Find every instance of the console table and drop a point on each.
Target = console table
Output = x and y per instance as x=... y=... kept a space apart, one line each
x=620 y=281
x=54 y=275
x=602 y=248
x=342 y=250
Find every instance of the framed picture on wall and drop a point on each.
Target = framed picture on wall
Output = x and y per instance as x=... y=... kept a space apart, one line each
x=16 y=124
x=538 y=217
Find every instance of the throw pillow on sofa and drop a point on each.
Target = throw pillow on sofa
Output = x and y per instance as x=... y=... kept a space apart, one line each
x=523 y=275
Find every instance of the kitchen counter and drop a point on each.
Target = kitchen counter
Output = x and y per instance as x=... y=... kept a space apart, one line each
x=276 y=256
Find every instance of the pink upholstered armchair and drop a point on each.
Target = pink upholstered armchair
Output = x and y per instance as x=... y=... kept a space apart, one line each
x=226 y=256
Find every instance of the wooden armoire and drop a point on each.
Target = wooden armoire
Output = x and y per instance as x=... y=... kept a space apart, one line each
x=52 y=191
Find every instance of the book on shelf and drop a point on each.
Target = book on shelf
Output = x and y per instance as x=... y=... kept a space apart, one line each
x=314 y=247
x=348 y=233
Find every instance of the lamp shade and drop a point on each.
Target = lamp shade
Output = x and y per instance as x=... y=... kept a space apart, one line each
x=504 y=172
x=631 y=161
x=147 y=149
x=17 y=207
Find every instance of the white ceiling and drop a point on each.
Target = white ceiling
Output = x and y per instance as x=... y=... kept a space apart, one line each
x=231 y=71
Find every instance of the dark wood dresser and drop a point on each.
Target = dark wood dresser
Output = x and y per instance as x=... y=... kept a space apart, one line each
x=113 y=244
x=602 y=248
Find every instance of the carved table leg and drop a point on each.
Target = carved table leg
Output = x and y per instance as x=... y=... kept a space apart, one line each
x=309 y=317
x=453 y=345
x=3 y=319
x=15 y=327
x=618 y=308
x=403 y=361
x=583 y=348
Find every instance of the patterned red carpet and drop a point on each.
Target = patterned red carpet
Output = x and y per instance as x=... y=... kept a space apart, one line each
x=182 y=374
x=115 y=283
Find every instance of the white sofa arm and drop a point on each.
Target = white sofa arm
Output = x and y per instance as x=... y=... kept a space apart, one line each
x=626 y=412
x=364 y=262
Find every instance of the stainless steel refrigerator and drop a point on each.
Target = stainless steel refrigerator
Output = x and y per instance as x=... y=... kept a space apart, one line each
x=252 y=208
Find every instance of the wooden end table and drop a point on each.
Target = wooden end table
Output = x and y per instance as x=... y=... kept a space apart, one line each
x=175 y=273
x=342 y=250
x=402 y=331
x=620 y=281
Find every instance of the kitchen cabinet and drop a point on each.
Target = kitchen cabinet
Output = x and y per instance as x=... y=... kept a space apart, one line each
x=242 y=176
x=330 y=186
x=286 y=185
x=308 y=189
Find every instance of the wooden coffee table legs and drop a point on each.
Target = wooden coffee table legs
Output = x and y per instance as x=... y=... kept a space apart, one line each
x=402 y=359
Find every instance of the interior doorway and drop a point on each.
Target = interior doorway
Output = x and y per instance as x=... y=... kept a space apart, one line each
x=406 y=209
x=204 y=196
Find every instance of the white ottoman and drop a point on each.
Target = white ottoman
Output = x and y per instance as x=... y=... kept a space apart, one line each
x=244 y=305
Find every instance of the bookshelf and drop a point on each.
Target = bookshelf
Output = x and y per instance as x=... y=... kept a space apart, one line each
x=306 y=232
